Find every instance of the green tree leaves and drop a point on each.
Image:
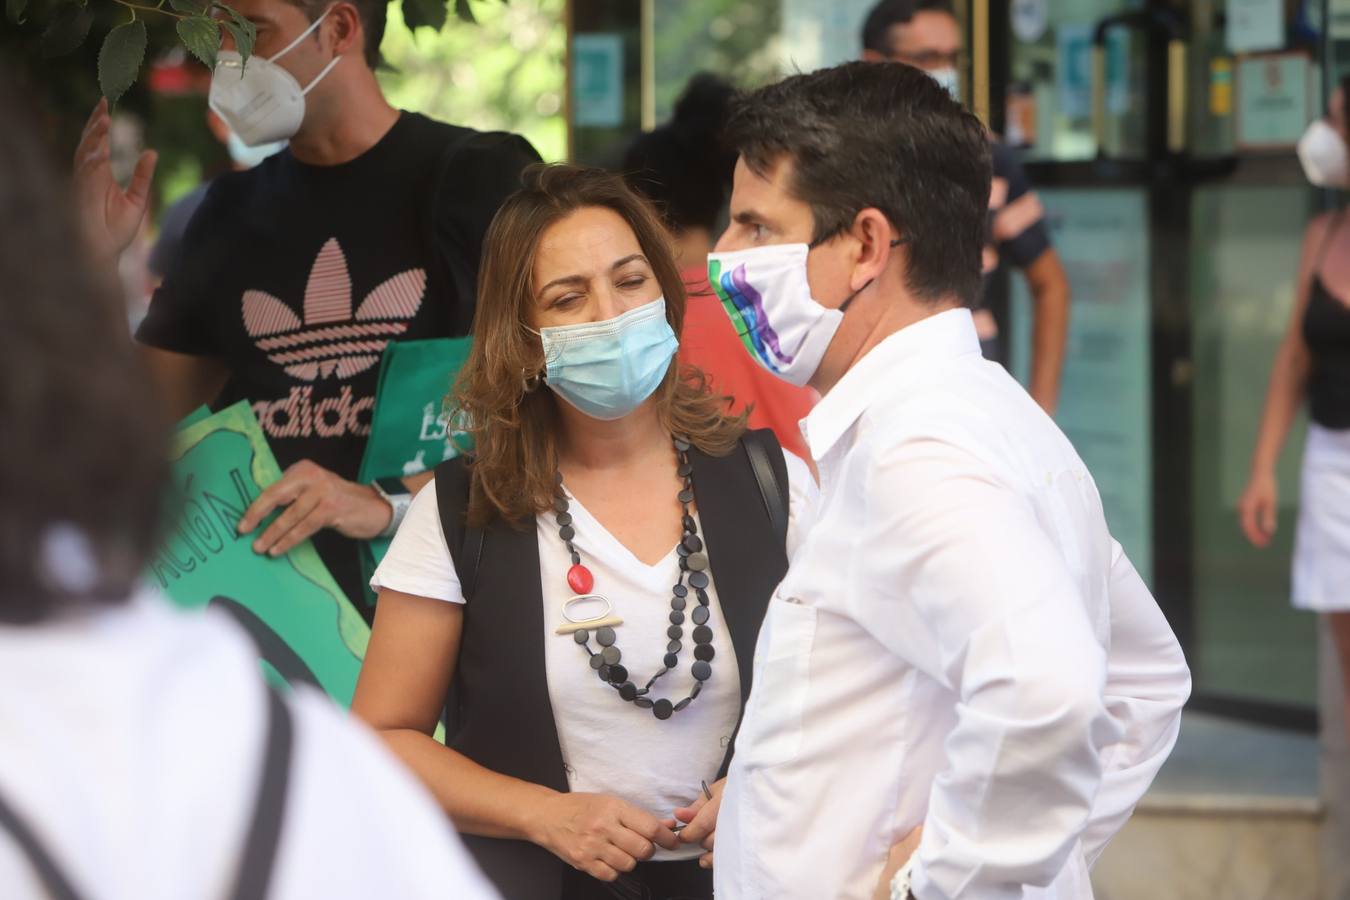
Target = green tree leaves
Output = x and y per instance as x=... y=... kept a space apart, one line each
x=200 y=24
x=424 y=13
x=242 y=30
x=202 y=38
x=120 y=59
x=67 y=30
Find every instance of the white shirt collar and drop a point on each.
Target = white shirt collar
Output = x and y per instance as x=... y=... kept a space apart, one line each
x=943 y=335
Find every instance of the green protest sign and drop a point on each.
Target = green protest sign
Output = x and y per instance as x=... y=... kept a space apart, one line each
x=197 y=415
x=409 y=431
x=305 y=628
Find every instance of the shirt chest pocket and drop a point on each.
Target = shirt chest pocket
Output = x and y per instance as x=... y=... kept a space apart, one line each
x=772 y=732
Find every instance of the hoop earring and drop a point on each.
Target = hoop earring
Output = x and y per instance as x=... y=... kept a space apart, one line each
x=530 y=381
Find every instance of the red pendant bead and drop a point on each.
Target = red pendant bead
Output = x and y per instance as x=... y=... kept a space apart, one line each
x=580 y=579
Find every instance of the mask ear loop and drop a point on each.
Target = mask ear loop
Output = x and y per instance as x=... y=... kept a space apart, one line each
x=300 y=37
x=317 y=78
x=295 y=43
x=843 y=307
x=530 y=381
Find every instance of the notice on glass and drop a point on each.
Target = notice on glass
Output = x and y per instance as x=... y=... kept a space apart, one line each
x=1273 y=97
x=1073 y=71
x=1254 y=25
x=597 y=80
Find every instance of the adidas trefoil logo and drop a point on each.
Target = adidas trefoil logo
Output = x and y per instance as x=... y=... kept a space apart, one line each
x=331 y=341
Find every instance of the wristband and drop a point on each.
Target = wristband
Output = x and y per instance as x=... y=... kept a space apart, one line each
x=900 y=882
x=393 y=492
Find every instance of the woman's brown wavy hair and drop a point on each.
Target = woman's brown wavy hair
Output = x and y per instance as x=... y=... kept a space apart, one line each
x=499 y=397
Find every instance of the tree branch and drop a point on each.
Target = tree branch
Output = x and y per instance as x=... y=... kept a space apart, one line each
x=155 y=9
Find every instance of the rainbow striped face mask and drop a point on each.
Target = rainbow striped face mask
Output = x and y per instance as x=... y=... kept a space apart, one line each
x=765 y=291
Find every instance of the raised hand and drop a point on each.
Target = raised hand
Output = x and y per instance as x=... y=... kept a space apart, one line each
x=109 y=215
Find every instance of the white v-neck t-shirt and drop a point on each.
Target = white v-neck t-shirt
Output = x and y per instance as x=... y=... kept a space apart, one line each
x=610 y=746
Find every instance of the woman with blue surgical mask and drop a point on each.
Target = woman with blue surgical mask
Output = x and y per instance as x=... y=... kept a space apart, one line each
x=591 y=582
x=1312 y=366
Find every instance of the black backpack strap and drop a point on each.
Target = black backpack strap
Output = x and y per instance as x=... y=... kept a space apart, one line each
x=464 y=542
x=766 y=461
x=453 y=480
x=51 y=875
x=269 y=810
x=264 y=834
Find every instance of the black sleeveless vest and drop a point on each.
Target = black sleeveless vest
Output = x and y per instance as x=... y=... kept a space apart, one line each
x=503 y=719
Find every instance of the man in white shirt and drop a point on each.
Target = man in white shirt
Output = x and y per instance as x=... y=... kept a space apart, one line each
x=960 y=659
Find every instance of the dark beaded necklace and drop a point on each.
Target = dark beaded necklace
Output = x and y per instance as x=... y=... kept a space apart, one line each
x=693 y=574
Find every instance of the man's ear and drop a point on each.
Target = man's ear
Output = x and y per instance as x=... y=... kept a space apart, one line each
x=874 y=234
x=346 y=29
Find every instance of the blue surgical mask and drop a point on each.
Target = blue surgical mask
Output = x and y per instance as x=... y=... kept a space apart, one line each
x=607 y=369
x=950 y=80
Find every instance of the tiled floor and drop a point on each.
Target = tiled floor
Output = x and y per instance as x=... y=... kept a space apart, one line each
x=1237 y=812
x=1223 y=757
x=1234 y=815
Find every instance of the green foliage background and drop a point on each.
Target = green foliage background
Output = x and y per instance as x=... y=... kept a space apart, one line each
x=738 y=39
x=505 y=73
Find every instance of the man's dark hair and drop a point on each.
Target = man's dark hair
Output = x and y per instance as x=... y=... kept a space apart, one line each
x=372 y=13
x=882 y=136
x=684 y=167
x=82 y=454
x=896 y=12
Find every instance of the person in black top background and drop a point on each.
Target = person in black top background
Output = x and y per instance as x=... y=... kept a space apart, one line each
x=925 y=34
x=1313 y=366
x=296 y=274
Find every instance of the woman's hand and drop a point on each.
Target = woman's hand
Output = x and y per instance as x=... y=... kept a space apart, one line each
x=598 y=834
x=1257 y=508
x=700 y=818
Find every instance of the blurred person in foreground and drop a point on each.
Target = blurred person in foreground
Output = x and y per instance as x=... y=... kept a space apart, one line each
x=962 y=686
x=925 y=34
x=296 y=274
x=684 y=168
x=141 y=752
x=1313 y=367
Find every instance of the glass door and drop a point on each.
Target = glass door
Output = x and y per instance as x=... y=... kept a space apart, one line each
x=1160 y=136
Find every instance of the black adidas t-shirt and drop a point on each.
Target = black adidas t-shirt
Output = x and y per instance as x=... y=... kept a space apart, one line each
x=297 y=276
